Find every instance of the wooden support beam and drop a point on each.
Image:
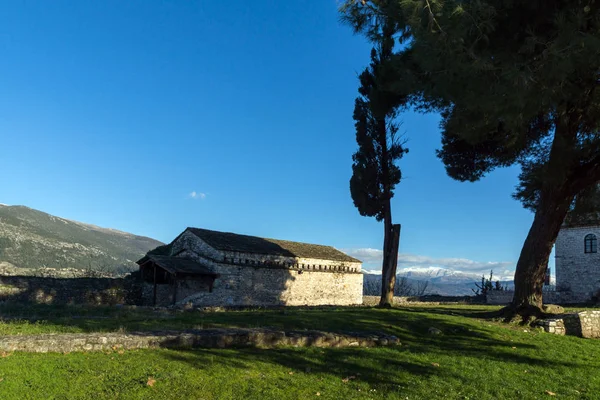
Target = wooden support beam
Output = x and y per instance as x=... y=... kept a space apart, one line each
x=174 y=289
x=155 y=285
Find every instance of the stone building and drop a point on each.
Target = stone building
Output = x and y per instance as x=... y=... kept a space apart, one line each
x=211 y=268
x=577 y=262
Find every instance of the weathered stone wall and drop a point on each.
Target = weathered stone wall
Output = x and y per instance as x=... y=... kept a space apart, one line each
x=584 y=324
x=549 y=297
x=279 y=286
x=426 y=299
x=94 y=291
x=209 y=338
x=254 y=279
x=577 y=272
x=499 y=297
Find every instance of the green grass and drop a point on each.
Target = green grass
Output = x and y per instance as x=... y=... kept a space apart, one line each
x=473 y=359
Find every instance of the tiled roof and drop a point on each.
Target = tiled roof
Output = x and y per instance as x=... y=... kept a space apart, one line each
x=228 y=241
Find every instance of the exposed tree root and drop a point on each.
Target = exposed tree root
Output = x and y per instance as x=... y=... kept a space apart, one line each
x=523 y=314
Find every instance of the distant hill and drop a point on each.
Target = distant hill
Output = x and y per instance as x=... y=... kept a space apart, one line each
x=33 y=239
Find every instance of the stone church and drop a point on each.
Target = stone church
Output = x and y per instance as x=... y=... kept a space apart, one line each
x=577 y=262
x=210 y=268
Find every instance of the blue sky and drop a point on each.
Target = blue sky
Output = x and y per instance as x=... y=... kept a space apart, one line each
x=115 y=113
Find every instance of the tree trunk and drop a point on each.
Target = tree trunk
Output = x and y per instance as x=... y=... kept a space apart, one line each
x=390 y=263
x=533 y=260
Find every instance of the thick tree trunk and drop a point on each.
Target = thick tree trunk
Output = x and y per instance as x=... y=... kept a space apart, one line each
x=390 y=263
x=533 y=261
x=555 y=198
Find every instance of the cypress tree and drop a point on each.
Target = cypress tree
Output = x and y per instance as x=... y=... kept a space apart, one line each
x=374 y=171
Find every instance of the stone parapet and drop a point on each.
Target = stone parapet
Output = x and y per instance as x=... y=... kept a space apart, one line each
x=549 y=297
x=91 y=291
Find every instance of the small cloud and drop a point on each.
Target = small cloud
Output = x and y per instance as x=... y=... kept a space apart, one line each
x=197 y=195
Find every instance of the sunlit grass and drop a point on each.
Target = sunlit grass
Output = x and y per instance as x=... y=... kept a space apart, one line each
x=474 y=358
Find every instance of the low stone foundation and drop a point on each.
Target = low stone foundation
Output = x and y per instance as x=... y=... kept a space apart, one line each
x=208 y=338
x=88 y=290
x=549 y=297
x=426 y=299
x=584 y=324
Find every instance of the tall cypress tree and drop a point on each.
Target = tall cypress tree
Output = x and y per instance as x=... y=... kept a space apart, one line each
x=374 y=171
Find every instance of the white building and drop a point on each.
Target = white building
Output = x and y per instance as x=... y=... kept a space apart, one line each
x=578 y=262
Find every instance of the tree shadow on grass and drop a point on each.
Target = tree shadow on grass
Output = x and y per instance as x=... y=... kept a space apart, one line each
x=388 y=365
x=373 y=367
x=460 y=336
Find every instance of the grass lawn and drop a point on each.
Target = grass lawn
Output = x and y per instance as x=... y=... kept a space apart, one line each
x=472 y=359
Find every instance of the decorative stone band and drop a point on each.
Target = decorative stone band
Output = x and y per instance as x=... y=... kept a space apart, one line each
x=207 y=338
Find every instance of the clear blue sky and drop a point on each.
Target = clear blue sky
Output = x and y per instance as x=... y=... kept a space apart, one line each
x=114 y=112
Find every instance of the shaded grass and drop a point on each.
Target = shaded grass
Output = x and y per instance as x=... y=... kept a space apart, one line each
x=40 y=319
x=472 y=359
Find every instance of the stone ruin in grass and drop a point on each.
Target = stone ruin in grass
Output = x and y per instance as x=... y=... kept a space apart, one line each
x=585 y=324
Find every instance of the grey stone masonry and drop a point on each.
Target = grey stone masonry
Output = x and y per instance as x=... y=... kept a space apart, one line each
x=577 y=272
x=549 y=297
x=584 y=324
x=208 y=338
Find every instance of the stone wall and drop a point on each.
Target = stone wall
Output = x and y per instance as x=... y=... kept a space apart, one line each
x=577 y=272
x=584 y=324
x=278 y=286
x=432 y=299
x=499 y=297
x=45 y=290
x=549 y=297
x=208 y=338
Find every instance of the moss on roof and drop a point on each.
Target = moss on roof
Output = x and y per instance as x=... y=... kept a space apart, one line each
x=228 y=241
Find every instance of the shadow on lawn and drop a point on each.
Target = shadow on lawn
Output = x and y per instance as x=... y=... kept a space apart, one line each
x=476 y=313
x=388 y=365
x=461 y=336
x=374 y=367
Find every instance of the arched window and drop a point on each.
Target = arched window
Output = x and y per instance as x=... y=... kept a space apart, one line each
x=591 y=243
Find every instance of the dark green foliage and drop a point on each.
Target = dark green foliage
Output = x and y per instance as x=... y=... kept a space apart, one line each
x=585 y=209
x=487 y=285
x=504 y=75
x=374 y=171
x=516 y=83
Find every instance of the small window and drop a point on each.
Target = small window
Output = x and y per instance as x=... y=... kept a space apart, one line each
x=591 y=243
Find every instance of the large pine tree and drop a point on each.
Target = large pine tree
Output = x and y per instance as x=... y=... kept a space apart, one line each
x=516 y=82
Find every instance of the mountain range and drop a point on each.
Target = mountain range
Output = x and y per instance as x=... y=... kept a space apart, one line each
x=32 y=239
x=440 y=281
